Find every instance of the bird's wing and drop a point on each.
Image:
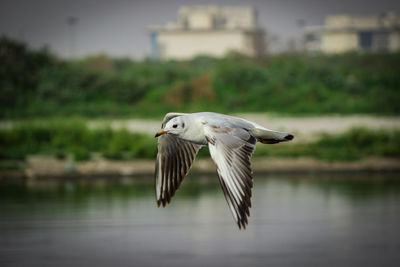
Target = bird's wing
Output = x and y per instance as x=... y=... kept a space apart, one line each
x=174 y=159
x=231 y=150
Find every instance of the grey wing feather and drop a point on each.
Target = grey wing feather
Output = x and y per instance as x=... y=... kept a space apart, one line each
x=231 y=150
x=174 y=159
x=223 y=120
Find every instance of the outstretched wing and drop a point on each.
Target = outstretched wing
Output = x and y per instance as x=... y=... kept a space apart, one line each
x=174 y=159
x=231 y=150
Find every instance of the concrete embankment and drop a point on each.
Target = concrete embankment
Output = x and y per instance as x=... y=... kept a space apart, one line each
x=48 y=167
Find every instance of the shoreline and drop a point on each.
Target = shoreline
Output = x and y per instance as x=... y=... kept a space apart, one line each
x=41 y=167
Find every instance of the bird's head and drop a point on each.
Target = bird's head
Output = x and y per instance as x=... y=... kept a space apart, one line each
x=174 y=126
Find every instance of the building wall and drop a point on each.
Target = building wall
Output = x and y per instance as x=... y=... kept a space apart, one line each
x=208 y=30
x=346 y=21
x=200 y=20
x=342 y=33
x=196 y=17
x=186 y=44
x=244 y=17
x=339 y=42
x=394 y=41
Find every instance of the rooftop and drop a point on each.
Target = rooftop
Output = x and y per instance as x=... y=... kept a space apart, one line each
x=206 y=18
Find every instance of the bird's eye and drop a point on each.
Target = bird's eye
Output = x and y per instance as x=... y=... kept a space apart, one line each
x=175 y=125
x=183 y=125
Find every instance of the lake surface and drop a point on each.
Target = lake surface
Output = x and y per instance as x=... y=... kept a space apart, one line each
x=340 y=220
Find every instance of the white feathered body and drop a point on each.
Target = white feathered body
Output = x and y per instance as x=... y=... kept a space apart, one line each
x=197 y=123
x=231 y=141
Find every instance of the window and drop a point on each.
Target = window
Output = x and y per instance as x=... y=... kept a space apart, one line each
x=365 y=40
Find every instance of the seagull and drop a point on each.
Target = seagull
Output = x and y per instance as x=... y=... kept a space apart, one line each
x=231 y=142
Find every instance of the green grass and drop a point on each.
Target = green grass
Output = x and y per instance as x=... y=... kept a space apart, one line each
x=72 y=137
x=354 y=144
x=63 y=137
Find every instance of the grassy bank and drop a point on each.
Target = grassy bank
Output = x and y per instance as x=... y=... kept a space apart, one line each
x=35 y=83
x=63 y=138
x=72 y=137
x=354 y=144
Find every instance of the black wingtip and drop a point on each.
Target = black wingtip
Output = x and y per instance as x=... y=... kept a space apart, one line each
x=161 y=203
x=242 y=225
x=289 y=137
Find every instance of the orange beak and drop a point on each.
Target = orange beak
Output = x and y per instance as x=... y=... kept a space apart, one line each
x=161 y=133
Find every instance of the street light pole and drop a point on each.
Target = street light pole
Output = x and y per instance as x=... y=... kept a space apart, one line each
x=72 y=22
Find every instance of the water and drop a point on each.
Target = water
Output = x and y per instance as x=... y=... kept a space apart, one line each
x=342 y=220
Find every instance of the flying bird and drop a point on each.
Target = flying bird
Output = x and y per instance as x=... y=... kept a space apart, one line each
x=231 y=141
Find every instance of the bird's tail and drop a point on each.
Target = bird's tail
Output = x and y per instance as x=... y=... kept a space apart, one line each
x=267 y=136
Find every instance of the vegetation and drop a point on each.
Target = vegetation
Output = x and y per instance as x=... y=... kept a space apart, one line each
x=34 y=83
x=37 y=84
x=354 y=144
x=72 y=137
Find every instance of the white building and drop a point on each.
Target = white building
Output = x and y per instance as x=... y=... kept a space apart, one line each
x=210 y=31
x=355 y=33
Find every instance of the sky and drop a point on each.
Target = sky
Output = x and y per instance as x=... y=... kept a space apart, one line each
x=118 y=27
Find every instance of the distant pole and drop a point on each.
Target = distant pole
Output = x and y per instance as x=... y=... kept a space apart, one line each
x=300 y=24
x=154 y=46
x=72 y=22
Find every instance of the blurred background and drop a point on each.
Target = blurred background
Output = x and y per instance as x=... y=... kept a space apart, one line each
x=84 y=86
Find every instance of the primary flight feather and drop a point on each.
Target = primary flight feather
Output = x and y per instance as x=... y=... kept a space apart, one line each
x=231 y=141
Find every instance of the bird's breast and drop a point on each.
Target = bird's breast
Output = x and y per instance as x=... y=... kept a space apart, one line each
x=195 y=135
